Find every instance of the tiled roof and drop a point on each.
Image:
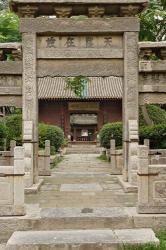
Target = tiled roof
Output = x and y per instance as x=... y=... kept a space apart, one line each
x=97 y=88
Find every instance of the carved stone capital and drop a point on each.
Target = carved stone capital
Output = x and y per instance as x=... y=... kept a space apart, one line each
x=96 y=11
x=163 y=53
x=63 y=12
x=27 y=11
x=1 y=54
x=17 y=54
x=129 y=10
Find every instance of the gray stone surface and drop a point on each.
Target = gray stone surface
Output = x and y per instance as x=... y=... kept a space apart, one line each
x=93 y=239
x=81 y=187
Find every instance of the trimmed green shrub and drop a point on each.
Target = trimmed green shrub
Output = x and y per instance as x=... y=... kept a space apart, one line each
x=2 y=135
x=111 y=131
x=156 y=134
x=52 y=133
x=14 y=128
x=156 y=114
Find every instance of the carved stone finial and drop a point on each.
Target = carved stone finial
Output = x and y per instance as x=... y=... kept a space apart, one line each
x=63 y=12
x=163 y=53
x=17 y=54
x=129 y=10
x=1 y=54
x=96 y=11
x=27 y=11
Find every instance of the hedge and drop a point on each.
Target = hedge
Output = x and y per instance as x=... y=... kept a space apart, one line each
x=14 y=128
x=156 y=114
x=111 y=131
x=12 y=124
x=52 y=133
x=2 y=135
x=156 y=134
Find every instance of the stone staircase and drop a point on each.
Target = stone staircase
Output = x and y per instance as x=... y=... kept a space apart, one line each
x=83 y=149
x=81 y=207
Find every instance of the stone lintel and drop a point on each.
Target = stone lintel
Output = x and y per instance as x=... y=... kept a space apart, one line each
x=151 y=98
x=86 y=26
x=79 y=53
x=10 y=68
x=152 y=89
x=9 y=100
x=95 y=67
x=152 y=66
x=10 y=91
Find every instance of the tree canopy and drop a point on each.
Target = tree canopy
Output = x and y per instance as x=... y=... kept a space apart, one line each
x=153 y=21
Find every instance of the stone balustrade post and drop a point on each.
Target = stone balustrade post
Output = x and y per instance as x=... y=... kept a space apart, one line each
x=12 y=146
x=47 y=155
x=143 y=165
x=12 y=186
x=112 y=154
x=133 y=152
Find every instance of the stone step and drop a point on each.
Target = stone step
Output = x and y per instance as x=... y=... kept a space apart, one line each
x=86 y=218
x=80 y=239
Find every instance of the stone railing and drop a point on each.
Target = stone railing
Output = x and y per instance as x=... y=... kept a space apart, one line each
x=7 y=157
x=12 y=186
x=44 y=160
x=151 y=184
x=152 y=50
x=116 y=158
x=13 y=49
x=155 y=156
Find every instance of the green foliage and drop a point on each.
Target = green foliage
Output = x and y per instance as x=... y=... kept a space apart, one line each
x=9 y=27
x=52 y=133
x=156 y=114
x=153 y=21
x=156 y=134
x=111 y=131
x=14 y=128
x=161 y=246
x=2 y=135
x=77 y=85
x=4 y=4
x=103 y=157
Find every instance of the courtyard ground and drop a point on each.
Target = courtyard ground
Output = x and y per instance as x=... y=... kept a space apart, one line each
x=82 y=181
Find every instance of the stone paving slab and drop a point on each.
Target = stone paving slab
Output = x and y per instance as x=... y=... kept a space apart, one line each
x=87 y=239
x=81 y=187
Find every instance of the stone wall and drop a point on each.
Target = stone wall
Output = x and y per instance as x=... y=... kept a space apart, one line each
x=151 y=184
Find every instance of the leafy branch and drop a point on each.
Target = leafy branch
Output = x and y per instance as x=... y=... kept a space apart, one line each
x=78 y=85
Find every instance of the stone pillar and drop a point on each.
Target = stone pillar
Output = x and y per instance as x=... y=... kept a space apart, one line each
x=143 y=178
x=47 y=157
x=112 y=154
x=130 y=91
x=147 y=142
x=133 y=152
x=12 y=146
x=30 y=100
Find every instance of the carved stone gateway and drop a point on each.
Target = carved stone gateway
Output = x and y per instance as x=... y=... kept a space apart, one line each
x=93 y=46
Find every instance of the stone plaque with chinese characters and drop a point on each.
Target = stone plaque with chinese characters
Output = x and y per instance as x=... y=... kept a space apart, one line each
x=83 y=106
x=74 y=42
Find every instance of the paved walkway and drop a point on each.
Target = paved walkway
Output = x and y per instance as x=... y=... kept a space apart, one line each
x=82 y=181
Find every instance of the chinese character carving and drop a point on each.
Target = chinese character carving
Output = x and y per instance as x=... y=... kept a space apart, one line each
x=107 y=42
x=51 y=42
x=70 y=42
x=89 y=42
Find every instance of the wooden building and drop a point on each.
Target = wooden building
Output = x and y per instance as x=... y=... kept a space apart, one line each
x=81 y=119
